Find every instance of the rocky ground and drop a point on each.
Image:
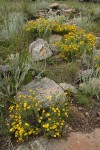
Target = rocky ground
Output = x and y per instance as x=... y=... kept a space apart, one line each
x=84 y=121
x=75 y=141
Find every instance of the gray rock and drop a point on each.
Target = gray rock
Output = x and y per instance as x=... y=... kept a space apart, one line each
x=43 y=88
x=54 y=5
x=40 y=50
x=66 y=86
x=36 y=145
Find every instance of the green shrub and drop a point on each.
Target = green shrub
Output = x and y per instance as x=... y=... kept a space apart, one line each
x=65 y=72
x=96 y=63
x=4 y=130
x=83 y=99
x=90 y=85
x=10 y=81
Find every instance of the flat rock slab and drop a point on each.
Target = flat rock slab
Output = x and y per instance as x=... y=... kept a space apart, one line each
x=44 y=87
x=75 y=141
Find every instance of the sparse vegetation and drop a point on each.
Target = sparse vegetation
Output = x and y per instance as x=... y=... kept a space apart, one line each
x=21 y=23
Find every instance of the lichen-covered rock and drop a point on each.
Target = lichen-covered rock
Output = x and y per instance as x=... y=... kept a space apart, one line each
x=40 y=50
x=43 y=88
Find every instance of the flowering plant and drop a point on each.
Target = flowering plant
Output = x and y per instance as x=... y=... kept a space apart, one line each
x=74 y=44
x=44 y=27
x=28 y=117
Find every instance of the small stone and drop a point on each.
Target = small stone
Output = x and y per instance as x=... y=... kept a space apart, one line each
x=87 y=114
x=66 y=86
x=54 y=5
x=66 y=126
x=80 y=108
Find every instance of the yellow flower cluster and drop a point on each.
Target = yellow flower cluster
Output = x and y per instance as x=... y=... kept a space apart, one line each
x=74 y=44
x=27 y=117
x=63 y=28
x=40 y=28
x=19 y=123
x=46 y=26
x=55 y=118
